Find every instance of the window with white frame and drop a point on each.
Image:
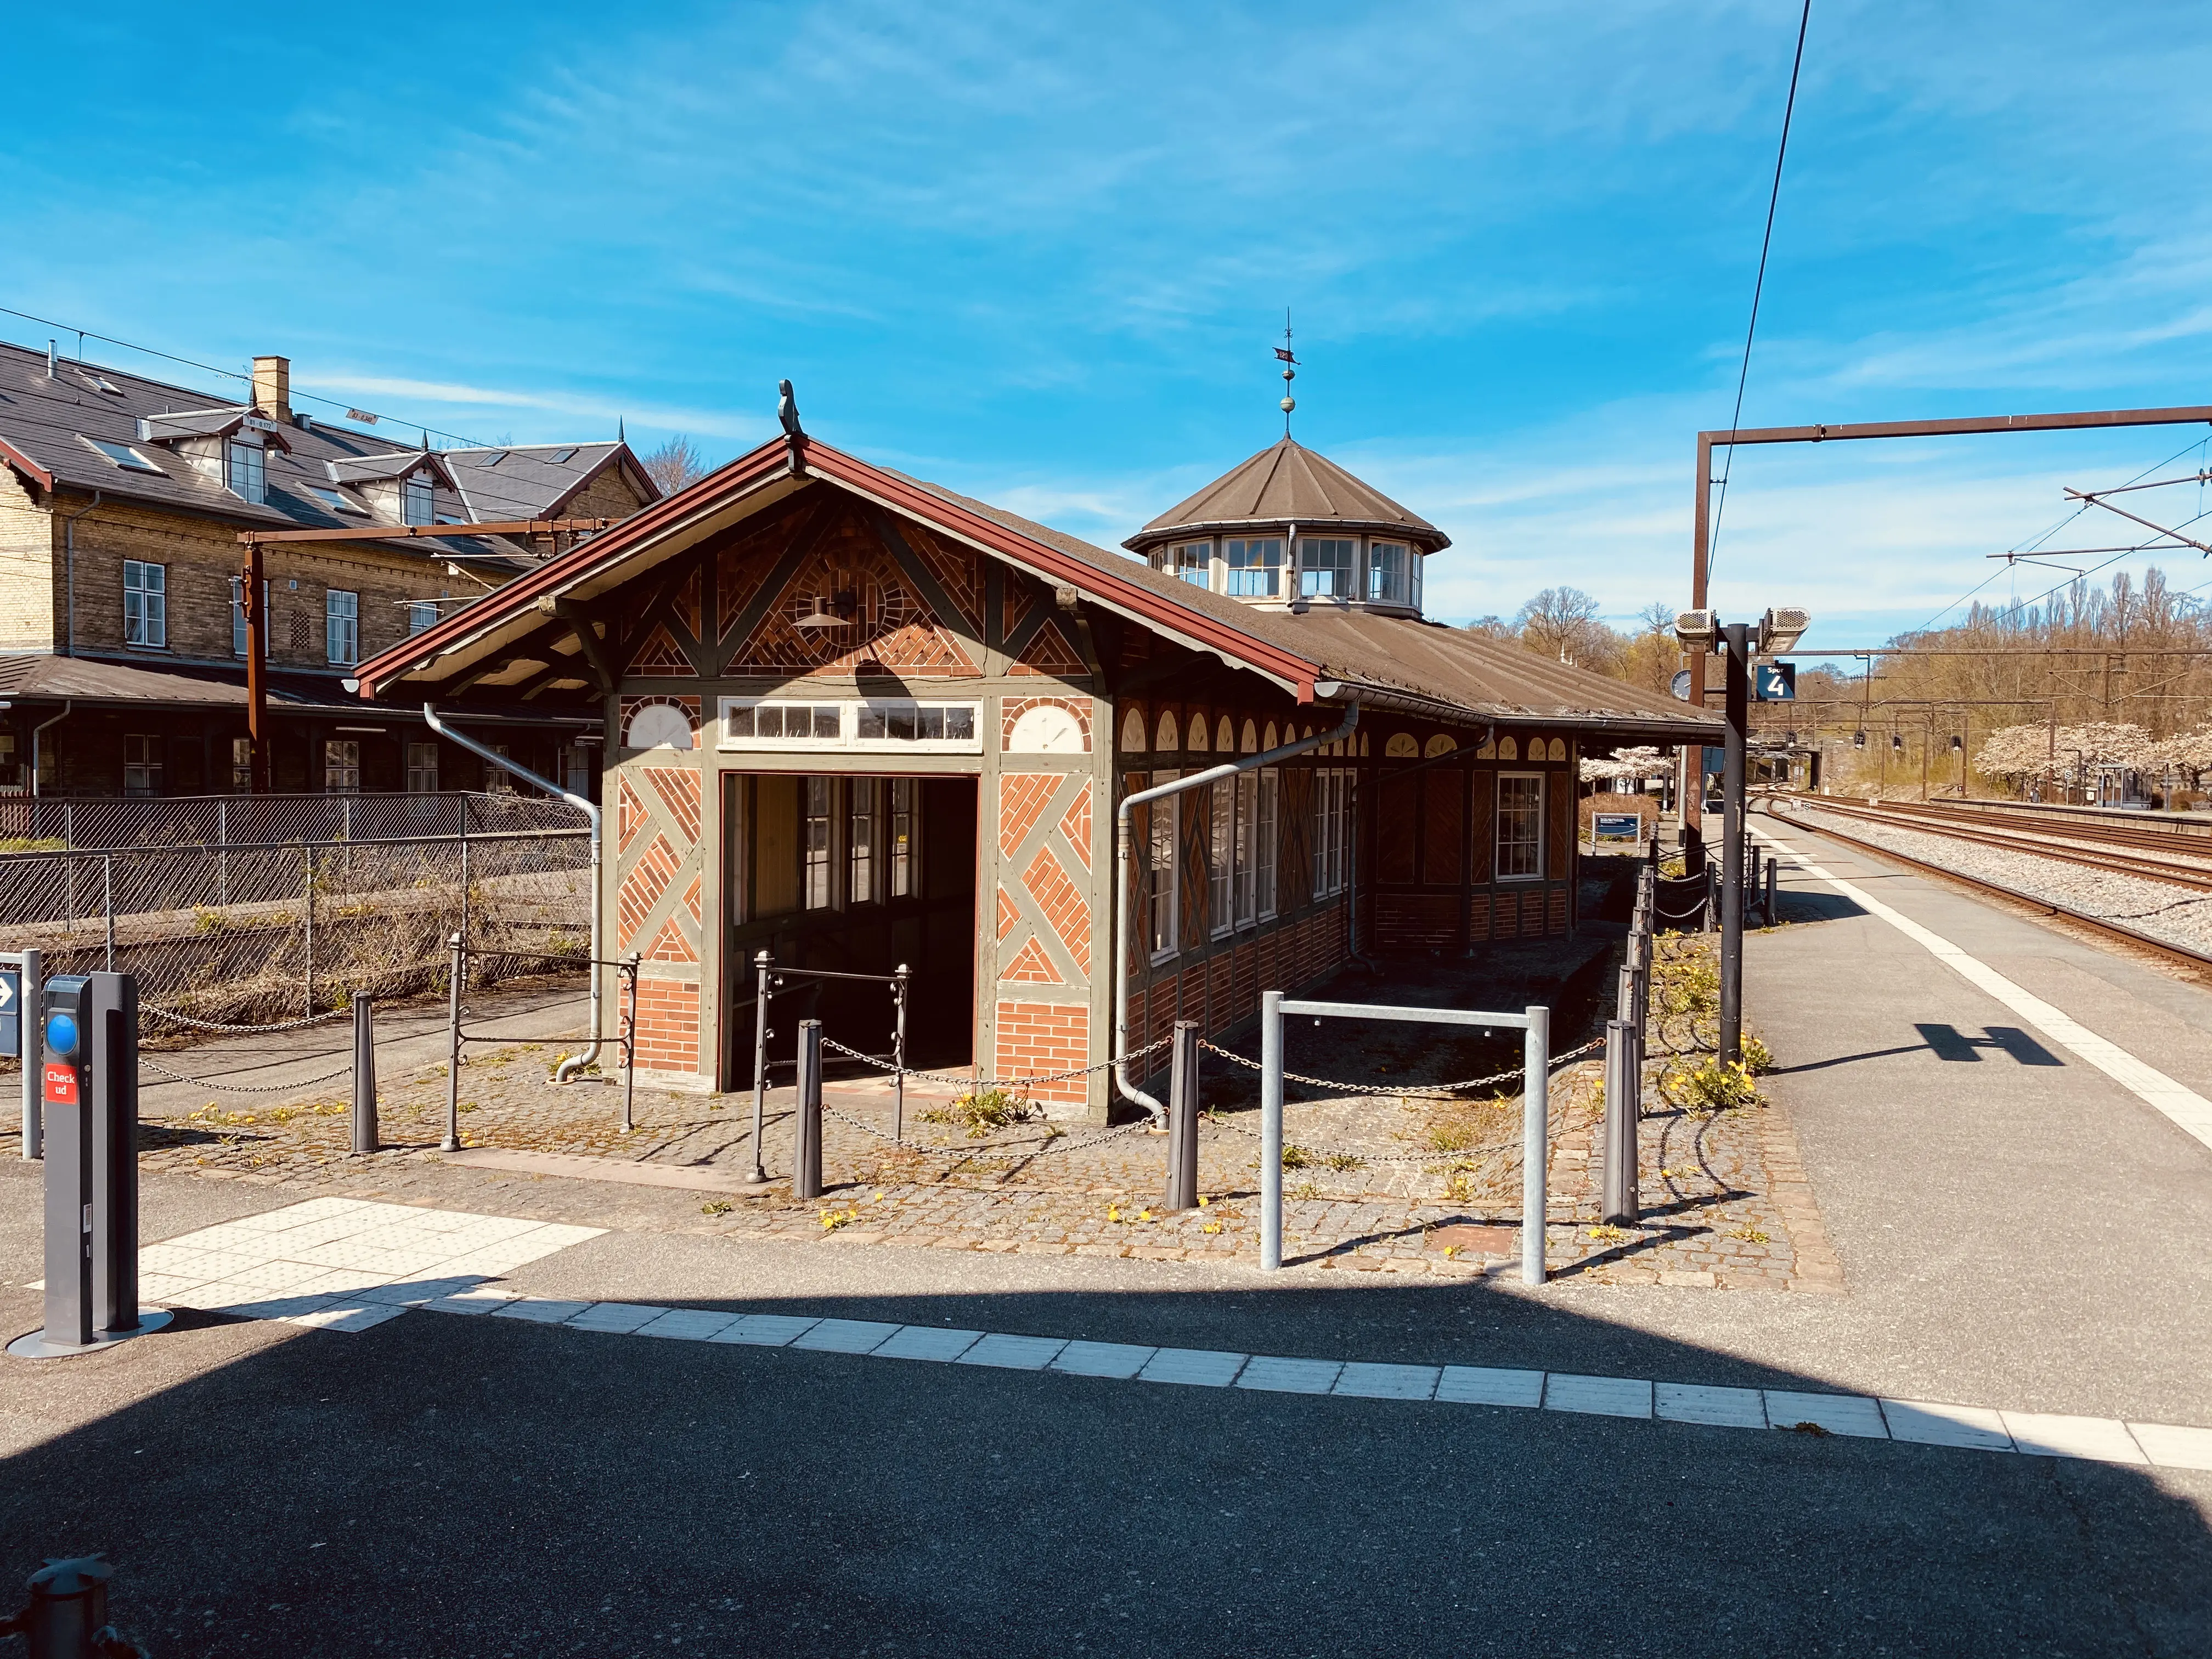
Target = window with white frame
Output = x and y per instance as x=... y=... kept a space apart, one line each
x=860 y=824
x=145 y=604
x=342 y=766
x=1418 y=562
x=1190 y=562
x=416 y=500
x=808 y=725
x=898 y=726
x=1331 y=839
x=1269 y=793
x=125 y=456
x=341 y=627
x=422 y=769
x=1255 y=565
x=815 y=867
x=246 y=469
x=421 y=615
x=337 y=501
x=1221 y=827
x=1386 y=572
x=1520 y=826
x=1160 y=868
x=913 y=724
x=1328 y=567
x=903 y=843
x=142 y=767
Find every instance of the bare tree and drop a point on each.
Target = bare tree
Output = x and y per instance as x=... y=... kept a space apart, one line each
x=676 y=464
x=1493 y=627
x=1563 y=622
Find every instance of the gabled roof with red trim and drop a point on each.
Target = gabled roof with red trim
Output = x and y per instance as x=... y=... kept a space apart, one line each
x=1452 y=674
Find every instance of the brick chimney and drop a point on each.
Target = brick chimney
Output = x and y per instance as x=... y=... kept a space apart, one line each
x=273 y=387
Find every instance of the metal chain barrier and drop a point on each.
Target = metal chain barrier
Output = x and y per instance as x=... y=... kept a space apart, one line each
x=245 y=1088
x=971 y=1084
x=1418 y=1091
x=983 y=1148
x=255 y=1030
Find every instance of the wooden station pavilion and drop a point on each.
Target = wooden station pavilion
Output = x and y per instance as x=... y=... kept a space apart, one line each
x=858 y=720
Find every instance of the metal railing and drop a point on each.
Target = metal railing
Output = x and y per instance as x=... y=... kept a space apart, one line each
x=104 y=822
x=1621 y=1203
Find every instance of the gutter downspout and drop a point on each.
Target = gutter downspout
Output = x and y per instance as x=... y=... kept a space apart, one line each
x=575 y=1063
x=68 y=564
x=35 y=730
x=1124 y=846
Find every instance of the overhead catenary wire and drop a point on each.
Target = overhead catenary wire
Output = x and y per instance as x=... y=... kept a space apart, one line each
x=1758 y=290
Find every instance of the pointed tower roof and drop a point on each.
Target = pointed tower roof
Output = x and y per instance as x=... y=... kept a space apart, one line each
x=1288 y=483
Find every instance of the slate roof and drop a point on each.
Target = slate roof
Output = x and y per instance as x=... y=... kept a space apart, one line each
x=45 y=425
x=1288 y=483
x=96 y=682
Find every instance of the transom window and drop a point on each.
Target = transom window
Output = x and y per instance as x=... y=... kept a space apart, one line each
x=246 y=469
x=1388 y=572
x=416 y=500
x=916 y=722
x=341 y=627
x=1520 y=826
x=1328 y=567
x=145 y=605
x=1255 y=565
x=895 y=724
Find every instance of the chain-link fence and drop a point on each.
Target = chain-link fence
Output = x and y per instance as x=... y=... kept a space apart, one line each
x=237 y=934
x=220 y=820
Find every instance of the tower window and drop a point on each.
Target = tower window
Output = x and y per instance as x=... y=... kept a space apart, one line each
x=1388 y=572
x=1255 y=566
x=1327 y=567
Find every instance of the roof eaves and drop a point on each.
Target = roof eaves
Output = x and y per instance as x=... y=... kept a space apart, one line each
x=24 y=464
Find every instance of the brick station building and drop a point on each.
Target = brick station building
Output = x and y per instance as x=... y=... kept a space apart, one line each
x=856 y=720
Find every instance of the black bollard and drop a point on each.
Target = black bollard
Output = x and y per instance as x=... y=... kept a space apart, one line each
x=806 y=1154
x=364 y=1075
x=1182 y=1118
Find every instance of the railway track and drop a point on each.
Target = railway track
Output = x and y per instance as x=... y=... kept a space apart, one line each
x=2121 y=848
x=2181 y=955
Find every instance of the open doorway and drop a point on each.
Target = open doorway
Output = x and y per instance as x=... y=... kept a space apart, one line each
x=853 y=874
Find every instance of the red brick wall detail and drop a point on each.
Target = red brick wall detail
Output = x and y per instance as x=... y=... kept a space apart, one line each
x=692 y=896
x=630 y=815
x=667 y=1026
x=669 y=945
x=661 y=655
x=1038 y=1037
x=691 y=707
x=1023 y=797
x=1063 y=905
x=1009 y=914
x=1030 y=966
x=678 y=787
x=1049 y=652
x=1075 y=824
x=643 y=888
x=1011 y=709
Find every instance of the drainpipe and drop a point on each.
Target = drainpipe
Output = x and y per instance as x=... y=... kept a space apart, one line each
x=35 y=730
x=68 y=564
x=574 y=1063
x=1124 y=846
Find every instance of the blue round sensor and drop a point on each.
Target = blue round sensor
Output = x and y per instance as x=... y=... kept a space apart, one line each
x=61 y=1033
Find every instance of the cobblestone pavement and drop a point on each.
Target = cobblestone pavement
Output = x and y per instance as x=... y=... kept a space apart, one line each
x=1380 y=1184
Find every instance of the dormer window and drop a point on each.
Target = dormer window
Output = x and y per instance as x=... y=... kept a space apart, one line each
x=337 y=501
x=1191 y=561
x=1390 y=573
x=415 y=504
x=1328 y=567
x=246 y=469
x=1255 y=566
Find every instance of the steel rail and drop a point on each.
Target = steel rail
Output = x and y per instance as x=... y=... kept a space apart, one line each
x=2180 y=953
x=1983 y=834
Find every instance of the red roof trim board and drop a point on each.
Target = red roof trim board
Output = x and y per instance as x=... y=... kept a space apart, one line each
x=24 y=464
x=767 y=464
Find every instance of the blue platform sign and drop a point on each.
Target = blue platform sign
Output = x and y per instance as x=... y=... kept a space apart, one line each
x=1777 y=683
x=11 y=1011
x=1616 y=827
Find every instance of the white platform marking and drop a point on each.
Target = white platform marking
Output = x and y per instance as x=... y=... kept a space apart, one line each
x=2188 y=1110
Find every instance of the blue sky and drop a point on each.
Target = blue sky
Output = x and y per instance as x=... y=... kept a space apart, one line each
x=1041 y=254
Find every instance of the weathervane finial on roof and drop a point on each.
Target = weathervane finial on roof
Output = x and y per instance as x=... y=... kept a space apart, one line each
x=1290 y=371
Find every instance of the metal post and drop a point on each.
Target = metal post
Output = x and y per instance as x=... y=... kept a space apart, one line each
x=108 y=903
x=1738 y=637
x=1771 y=914
x=465 y=886
x=1536 y=1139
x=308 y=863
x=32 y=1003
x=629 y=1043
x=1621 y=1208
x=453 y=976
x=1271 y=1129
x=762 y=963
x=223 y=852
x=113 y=1040
x=806 y=1149
x=364 y=1076
x=1182 y=1118
x=899 y=978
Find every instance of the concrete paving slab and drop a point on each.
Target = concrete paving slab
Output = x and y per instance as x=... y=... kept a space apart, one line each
x=1018 y=1353
x=2173 y=1448
x=1935 y=1423
x=1602 y=1396
x=1833 y=1414
x=1115 y=1359
x=2043 y=1434
x=1481 y=1385
x=767 y=1330
x=1367 y=1380
x=1200 y=1367
x=689 y=1324
x=929 y=1342
x=844 y=1336
x=1727 y=1408
x=1290 y=1376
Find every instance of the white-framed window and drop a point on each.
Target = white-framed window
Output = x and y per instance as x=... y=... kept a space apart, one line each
x=904 y=841
x=1160 y=840
x=1244 y=846
x=246 y=469
x=341 y=627
x=1520 y=826
x=142 y=767
x=1328 y=567
x=342 y=766
x=145 y=604
x=241 y=763
x=337 y=501
x=815 y=866
x=1255 y=565
x=1418 y=562
x=421 y=614
x=416 y=500
x=1388 y=572
x=125 y=456
x=1331 y=839
x=1190 y=562
x=897 y=724
x=1264 y=840
x=1221 y=863
x=861 y=819
x=422 y=769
